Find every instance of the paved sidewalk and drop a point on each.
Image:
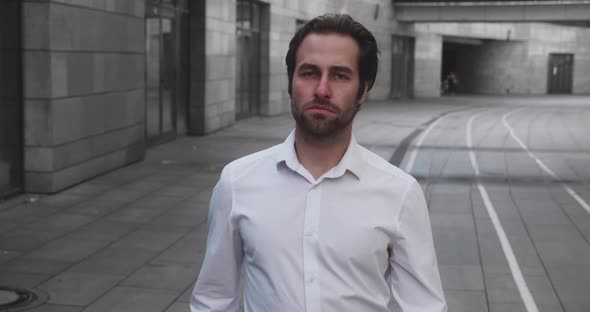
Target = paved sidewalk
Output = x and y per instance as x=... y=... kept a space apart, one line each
x=133 y=239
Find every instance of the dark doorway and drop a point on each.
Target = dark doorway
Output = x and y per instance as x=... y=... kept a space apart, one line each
x=11 y=124
x=402 y=67
x=560 y=74
x=458 y=70
x=453 y=57
x=166 y=70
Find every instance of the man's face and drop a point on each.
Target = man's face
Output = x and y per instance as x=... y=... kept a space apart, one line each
x=325 y=84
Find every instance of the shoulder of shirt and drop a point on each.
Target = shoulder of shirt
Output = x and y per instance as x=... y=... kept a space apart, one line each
x=382 y=166
x=246 y=164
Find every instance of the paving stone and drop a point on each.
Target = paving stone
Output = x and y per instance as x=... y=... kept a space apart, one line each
x=123 y=195
x=81 y=289
x=26 y=213
x=143 y=186
x=136 y=215
x=7 y=255
x=186 y=295
x=576 y=253
x=450 y=203
x=116 y=261
x=40 y=266
x=512 y=227
x=88 y=189
x=127 y=299
x=148 y=240
x=55 y=308
x=558 y=233
x=181 y=253
x=460 y=246
x=178 y=191
x=163 y=276
x=62 y=200
x=177 y=220
x=156 y=201
x=178 y=307
x=466 y=301
x=22 y=280
x=461 y=277
x=512 y=307
x=24 y=240
x=60 y=222
x=97 y=207
x=67 y=249
x=103 y=230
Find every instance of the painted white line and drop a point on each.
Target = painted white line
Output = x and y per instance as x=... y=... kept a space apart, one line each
x=540 y=163
x=523 y=289
x=410 y=164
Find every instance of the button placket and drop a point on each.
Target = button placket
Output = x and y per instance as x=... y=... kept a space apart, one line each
x=310 y=248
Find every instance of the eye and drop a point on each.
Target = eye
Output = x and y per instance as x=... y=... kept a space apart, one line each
x=307 y=74
x=340 y=76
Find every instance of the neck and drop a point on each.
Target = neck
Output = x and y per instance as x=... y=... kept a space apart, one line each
x=318 y=155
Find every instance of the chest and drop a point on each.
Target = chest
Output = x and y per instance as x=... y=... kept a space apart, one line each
x=338 y=221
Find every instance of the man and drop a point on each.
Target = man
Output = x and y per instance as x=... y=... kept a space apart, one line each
x=319 y=223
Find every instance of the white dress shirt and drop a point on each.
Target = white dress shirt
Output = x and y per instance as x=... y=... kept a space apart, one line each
x=348 y=241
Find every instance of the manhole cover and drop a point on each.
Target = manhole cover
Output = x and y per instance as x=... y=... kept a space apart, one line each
x=15 y=299
x=7 y=297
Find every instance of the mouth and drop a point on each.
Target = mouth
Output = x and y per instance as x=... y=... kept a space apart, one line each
x=320 y=108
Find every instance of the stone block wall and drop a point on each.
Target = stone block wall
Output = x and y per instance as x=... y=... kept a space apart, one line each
x=546 y=39
x=495 y=67
x=514 y=58
x=83 y=81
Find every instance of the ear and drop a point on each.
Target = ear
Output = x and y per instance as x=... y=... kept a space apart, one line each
x=362 y=99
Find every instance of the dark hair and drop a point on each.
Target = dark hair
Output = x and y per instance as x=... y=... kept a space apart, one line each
x=341 y=24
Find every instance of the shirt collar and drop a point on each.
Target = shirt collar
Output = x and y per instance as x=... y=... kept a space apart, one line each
x=352 y=160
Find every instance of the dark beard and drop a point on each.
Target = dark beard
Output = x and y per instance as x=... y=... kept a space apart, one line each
x=318 y=126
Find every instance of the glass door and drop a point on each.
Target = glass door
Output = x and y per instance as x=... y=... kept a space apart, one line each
x=248 y=50
x=165 y=77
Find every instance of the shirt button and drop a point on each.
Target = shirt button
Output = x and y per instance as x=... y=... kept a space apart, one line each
x=311 y=280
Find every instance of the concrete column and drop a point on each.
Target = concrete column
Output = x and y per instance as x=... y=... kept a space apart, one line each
x=428 y=62
x=84 y=89
x=213 y=65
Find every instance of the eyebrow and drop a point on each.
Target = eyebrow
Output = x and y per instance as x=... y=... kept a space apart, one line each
x=307 y=66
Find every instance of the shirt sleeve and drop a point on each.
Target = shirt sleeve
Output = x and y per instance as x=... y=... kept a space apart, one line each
x=217 y=287
x=414 y=279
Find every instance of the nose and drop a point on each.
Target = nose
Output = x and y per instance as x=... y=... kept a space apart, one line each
x=322 y=89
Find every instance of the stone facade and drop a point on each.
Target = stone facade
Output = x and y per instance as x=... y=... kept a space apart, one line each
x=84 y=65
x=83 y=89
x=511 y=59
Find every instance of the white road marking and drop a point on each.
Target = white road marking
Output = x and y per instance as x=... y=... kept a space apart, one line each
x=540 y=163
x=523 y=289
x=410 y=164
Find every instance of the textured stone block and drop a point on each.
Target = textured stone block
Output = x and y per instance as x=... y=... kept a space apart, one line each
x=37 y=81
x=37 y=159
x=35 y=30
x=38 y=124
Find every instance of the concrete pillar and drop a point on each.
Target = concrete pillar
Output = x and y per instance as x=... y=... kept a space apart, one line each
x=428 y=62
x=213 y=65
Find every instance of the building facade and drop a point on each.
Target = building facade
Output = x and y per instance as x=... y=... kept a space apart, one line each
x=87 y=86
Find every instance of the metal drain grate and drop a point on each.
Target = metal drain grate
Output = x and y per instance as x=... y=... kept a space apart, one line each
x=17 y=299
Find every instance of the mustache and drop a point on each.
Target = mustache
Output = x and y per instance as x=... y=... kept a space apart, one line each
x=322 y=102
